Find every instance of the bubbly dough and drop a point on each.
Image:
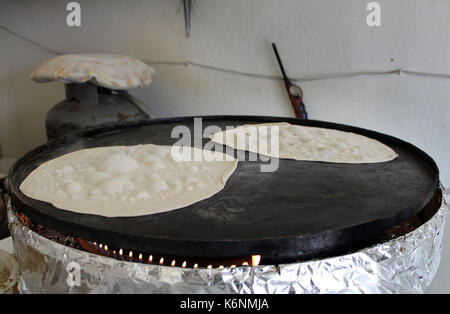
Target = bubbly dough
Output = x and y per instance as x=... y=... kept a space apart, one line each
x=305 y=143
x=123 y=181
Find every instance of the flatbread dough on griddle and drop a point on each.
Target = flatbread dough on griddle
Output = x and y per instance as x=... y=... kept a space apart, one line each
x=123 y=181
x=107 y=70
x=285 y=140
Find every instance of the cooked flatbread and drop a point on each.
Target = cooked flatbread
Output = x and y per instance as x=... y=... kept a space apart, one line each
x=285 y=140
x=107 y=70
x=123 y=181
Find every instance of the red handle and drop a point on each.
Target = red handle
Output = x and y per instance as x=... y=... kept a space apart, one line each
x=296 y=96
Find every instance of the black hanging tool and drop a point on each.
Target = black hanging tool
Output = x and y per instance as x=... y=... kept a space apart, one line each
x=294 y=91
x=187 y=17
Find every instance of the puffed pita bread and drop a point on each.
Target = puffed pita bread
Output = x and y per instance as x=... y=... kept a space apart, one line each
x=124 y=181
x=115 y=72
x=298 y=142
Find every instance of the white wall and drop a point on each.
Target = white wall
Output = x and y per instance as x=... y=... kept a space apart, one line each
x=315 y=38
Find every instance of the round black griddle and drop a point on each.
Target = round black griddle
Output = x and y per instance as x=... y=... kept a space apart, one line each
x=303 y=210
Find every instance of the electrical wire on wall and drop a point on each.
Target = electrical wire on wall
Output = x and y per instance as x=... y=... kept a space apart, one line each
x=254 y=75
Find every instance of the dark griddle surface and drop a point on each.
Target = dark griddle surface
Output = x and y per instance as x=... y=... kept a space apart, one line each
x=304 y=210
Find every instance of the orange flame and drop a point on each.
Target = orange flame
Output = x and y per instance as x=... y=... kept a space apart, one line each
x=256 y=259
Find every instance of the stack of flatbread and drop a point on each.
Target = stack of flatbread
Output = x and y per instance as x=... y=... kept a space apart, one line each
x=115 y=72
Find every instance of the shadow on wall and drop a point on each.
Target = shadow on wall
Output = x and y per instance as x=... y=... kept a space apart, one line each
x=22 y=110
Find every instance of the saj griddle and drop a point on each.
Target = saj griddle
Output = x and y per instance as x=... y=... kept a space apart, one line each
x=302 y=211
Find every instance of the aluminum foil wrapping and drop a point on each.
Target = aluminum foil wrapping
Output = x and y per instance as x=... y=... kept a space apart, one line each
x=406 y=264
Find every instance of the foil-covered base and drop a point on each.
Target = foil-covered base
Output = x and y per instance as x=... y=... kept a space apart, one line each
x=406 y=264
